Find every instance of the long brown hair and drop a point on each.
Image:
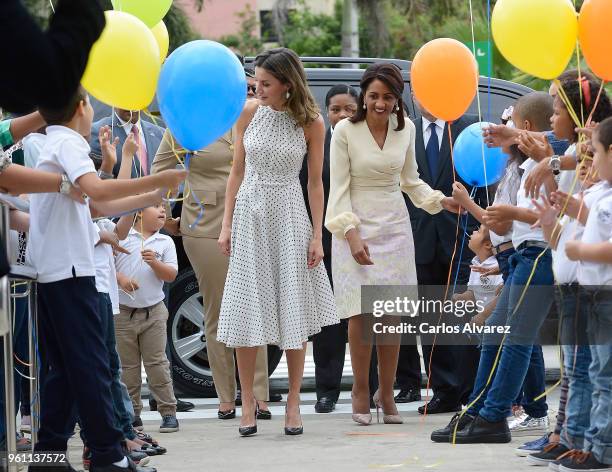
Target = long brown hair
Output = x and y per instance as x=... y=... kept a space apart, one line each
x=391 y=76
x=285 y=65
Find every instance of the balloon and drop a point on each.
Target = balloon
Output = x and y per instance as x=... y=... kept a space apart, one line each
x=201 y=92
x=537 y=37
x=123 y=65
x=594 y=33
x=467 y=156
x=160 y=32
x=149 y=11
x=444 y=78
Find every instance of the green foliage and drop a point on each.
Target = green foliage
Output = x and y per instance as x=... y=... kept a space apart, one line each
x=245 y=40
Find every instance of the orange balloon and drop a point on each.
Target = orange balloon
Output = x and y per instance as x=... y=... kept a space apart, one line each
x=595 y=36
x=444 y=78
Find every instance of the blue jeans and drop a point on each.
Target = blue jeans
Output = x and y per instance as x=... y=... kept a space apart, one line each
x=524 y=319
x=572 y=304
x=503 y=262
x=598 y=438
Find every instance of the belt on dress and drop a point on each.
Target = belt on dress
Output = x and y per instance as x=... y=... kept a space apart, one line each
x=361 y=183
x=254 y=181
x=502 y=247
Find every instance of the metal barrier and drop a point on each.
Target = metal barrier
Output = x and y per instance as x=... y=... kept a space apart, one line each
x=7 y=316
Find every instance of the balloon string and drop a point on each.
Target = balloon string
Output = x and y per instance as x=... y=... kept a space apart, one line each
x=52 y=7
x=482 y=144
x=450 y=271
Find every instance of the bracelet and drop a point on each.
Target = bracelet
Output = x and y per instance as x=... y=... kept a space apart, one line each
x=5 y=161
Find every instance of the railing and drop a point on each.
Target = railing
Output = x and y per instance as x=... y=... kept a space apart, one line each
x=6 y=322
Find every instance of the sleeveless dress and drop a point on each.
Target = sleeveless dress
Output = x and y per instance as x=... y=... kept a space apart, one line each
x=270 y=295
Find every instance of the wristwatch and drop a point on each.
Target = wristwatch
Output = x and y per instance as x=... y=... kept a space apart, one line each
x=105 y=175
x=65 y=185
x=555 y=165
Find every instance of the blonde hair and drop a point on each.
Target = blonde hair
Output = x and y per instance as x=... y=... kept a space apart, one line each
x=285 y=65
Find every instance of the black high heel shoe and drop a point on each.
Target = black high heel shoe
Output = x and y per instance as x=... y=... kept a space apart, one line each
x=248 y=430
x=293 y=431
x=227 y=414
x=263 y=414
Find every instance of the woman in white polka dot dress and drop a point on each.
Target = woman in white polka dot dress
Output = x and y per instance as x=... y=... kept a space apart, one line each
x=276 y=291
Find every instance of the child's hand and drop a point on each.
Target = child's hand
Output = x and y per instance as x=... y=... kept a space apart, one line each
x=173 y=226
x=497 y=214
x=450 y=204
x=536 y=147
x=111 y=238
x=499 y=135
x=108 y=147
x=547 y=214
x=486 y=270
x=171 y=178
x=127 y=285
x=572 y=205
x=573 y=249
x=130 y=146
x=460 y=194
x=149 y=256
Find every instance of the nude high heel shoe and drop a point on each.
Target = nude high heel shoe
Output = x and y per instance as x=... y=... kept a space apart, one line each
x=364 y=419
x=387 y=419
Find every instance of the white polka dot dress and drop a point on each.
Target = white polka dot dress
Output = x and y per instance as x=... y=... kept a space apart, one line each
x=270 y=296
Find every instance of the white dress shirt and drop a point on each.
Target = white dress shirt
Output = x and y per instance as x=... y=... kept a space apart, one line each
x=427 y=131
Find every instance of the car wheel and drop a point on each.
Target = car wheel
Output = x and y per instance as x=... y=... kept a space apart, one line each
x=189 y=359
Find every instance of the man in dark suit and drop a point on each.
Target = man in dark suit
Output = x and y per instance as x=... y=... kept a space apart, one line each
x=453 y=368
x=147 y=135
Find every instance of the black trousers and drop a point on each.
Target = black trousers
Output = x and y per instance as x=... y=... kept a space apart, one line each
x=70 y=329
x=453 y=368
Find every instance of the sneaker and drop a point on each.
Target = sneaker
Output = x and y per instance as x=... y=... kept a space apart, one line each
x=530 y=427
x=169 y=424
x=26 y=424
x=549 y=454
x=531 y=447
x=517 y=418
x=137 y=424
x=582 y=461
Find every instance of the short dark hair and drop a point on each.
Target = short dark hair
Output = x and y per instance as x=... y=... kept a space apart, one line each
x=391 y=76
x=603 y=133
x=537 y=108
x=340 y=89
x=582 y=93
x=59 y=116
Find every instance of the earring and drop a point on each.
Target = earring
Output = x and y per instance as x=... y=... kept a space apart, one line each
x=287 y=95
x=364 y=106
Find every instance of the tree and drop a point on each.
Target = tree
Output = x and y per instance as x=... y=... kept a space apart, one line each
x=245 y=40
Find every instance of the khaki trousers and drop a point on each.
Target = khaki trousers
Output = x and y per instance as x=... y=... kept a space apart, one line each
x=210 y=267
x=141 y=337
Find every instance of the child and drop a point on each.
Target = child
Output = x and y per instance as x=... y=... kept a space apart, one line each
x=481 y=287
x=140 y=326
x=572 y=307
x=61 y=249
x=594 y=253
x=522 y=310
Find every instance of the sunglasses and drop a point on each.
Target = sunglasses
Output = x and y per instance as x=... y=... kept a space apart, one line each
x=252 y=88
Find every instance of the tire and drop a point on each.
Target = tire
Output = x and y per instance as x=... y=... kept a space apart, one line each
x=187 y=343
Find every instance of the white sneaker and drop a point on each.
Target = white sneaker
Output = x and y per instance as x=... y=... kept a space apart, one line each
x=529 y=427
x=517 y=419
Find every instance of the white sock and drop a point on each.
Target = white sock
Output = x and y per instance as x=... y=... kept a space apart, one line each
x=122 y=463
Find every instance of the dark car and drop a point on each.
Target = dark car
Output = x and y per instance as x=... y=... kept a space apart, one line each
x=191 y=370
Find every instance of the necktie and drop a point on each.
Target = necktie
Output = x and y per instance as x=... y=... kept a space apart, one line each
x=433 y=151
x=142 y=150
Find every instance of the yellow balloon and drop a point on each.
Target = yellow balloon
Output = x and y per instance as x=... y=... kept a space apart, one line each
x=163 y=40
x=536 y=36
x=123 y=65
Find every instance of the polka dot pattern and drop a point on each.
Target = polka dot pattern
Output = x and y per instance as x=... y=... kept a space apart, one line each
x=270 y=296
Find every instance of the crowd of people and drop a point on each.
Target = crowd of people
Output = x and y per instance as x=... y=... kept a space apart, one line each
x=285 y=223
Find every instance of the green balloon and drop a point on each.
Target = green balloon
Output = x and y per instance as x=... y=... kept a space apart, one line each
x=150 y=12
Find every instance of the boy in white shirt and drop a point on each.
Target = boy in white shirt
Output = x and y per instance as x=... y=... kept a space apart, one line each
x=61 y=249
x=572 y=305
x=140 y=326
x=594 y=253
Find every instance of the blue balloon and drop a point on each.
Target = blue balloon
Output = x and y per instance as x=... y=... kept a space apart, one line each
x=467 y=156
x=201 y=92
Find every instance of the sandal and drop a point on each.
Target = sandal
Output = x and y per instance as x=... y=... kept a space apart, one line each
x=152 y=450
